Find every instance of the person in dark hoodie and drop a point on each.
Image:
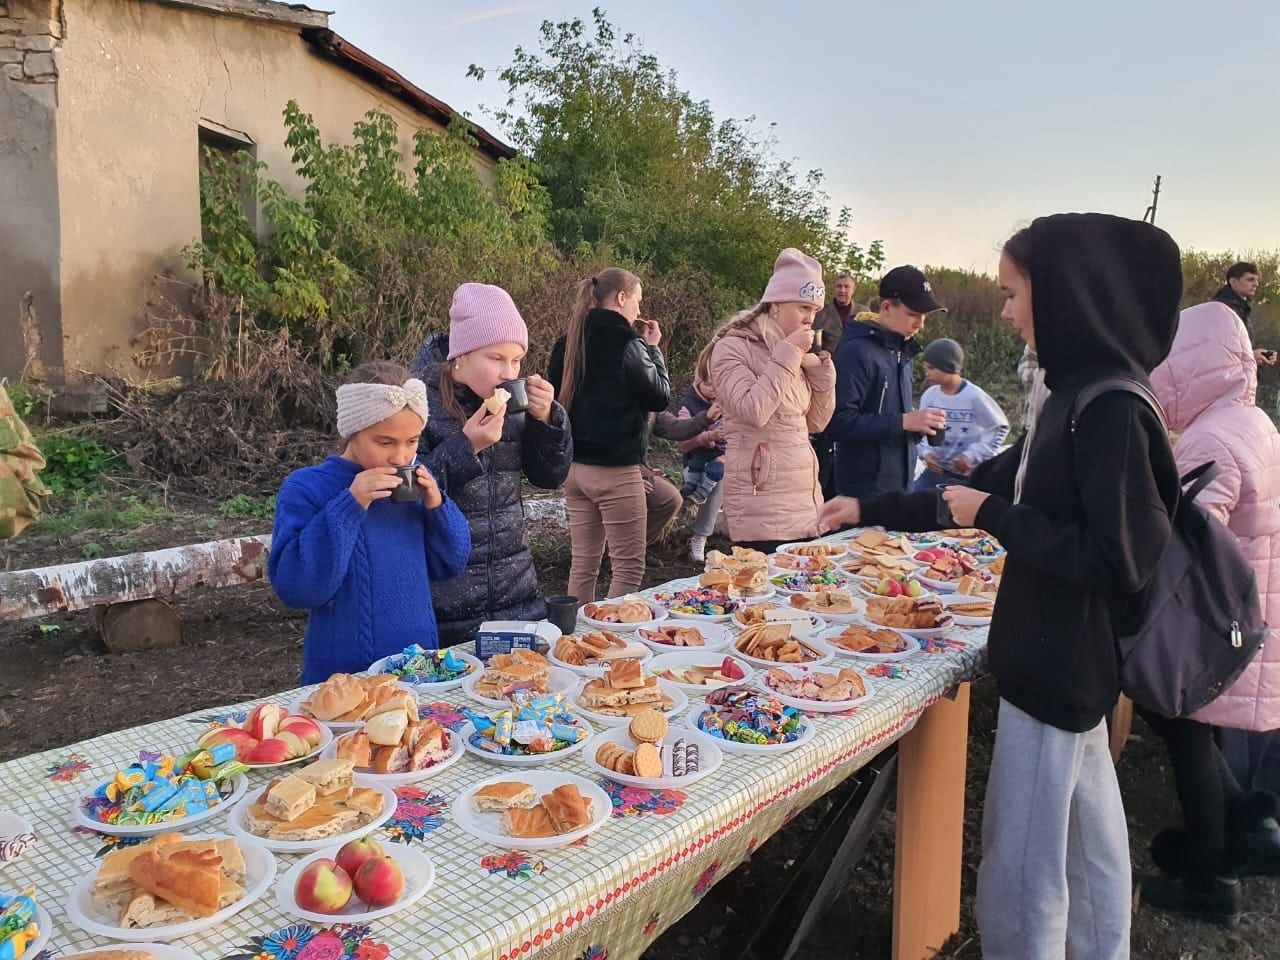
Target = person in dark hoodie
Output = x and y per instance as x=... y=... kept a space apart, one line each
x=479 y=457
x=1237 y=293
x=1084 y=513
x=874 y=427
x=611 y=376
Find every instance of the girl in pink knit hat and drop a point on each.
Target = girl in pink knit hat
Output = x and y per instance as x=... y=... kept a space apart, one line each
x=479 y=446
x=774 y=393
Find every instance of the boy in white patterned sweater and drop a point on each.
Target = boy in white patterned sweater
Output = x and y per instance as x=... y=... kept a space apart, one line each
x=976 y=426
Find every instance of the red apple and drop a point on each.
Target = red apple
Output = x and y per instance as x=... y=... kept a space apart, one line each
x=895 y=588
x=264 y=720
x=731 y=669
x=271 y=750
x=324 y=887
x=298 y=747
x=242 y=741
x=304 y=727
x=355 y=853
x=379 y=882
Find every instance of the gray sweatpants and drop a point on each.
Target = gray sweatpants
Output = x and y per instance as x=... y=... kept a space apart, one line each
x=1055 y=880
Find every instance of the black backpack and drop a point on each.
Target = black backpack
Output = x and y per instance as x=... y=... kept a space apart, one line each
x=1200 y=620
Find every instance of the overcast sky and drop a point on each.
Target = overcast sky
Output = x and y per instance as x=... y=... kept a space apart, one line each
x=943 y=125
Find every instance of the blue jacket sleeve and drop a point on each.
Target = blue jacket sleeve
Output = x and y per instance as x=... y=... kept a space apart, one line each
x=548 y=449
x=311 y=544
x=858 y=393
x=450 y=458
x=447 y=537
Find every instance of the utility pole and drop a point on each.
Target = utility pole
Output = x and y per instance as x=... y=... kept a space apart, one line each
x=1150 y=215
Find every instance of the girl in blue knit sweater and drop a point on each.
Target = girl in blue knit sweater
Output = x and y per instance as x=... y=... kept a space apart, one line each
x=362 y=563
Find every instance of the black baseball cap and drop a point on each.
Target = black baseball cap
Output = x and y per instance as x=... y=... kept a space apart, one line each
x=911 y=287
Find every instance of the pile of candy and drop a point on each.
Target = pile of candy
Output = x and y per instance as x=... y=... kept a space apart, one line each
x=171 y=788
x=817 y=581
x=18 y=928
x=984 y=548
x=699 y=602
x=534 y=724
x=747 y=716
x=416 y=665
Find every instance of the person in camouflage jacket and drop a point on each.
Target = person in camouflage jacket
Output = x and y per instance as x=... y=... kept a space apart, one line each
x=21 y=491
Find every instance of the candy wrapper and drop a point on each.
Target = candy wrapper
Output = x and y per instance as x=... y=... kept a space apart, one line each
x=818 y=581
x=744 y=715
x=17 y=924
x=534 y=724
x=700 y=602
x=171 y=788
x=416 y=665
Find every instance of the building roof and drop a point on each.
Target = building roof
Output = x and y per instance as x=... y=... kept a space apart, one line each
x=314 y=27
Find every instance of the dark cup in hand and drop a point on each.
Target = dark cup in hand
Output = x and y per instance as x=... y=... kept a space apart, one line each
x=519 y=391
x=936 y=439
x=562 y=612
x=942 y=510
x=407 y=492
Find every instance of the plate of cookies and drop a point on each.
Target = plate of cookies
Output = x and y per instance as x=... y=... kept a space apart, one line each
x=803 y=622
x=532 y=809
x=680 y=758
x=625 y=690
x=814 y=548
x=767 y=644
x=590 y=654
x=625 y=614
x=970 y=611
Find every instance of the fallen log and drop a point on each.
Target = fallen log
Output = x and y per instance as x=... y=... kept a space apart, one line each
x=137 y=576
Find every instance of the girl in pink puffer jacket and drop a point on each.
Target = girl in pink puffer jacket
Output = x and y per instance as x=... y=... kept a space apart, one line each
x=1207 y=387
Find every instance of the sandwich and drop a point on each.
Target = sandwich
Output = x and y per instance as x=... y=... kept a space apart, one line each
x=498 y=402
x=598 y=694
x=386 y=729
x=289 y=798
x=568 y=808
x=503 y=795
x=527 y=824
x=329 y=777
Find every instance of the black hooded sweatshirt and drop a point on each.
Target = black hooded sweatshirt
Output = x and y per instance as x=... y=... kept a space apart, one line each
x=1094 y=514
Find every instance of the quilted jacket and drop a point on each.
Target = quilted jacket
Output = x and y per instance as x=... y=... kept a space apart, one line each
x=1207 y=387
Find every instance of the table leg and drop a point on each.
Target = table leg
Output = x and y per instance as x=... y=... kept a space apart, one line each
x=930 y=829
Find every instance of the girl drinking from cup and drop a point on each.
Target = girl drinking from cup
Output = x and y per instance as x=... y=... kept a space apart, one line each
x=342 y=547
x=479 y=444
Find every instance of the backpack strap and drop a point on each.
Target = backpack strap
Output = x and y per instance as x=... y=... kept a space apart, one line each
x=1198 y=478
x=1116 y=385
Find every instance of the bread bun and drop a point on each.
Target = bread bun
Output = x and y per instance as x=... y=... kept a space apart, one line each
x=336 y=696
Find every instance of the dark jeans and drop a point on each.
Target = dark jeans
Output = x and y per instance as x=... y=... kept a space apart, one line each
x=825 y=450
x=1204 y=782
x=1254 y=757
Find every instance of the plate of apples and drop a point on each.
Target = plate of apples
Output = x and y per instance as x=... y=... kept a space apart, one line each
x=357 y=882
x=895 y=587
x=271 y=736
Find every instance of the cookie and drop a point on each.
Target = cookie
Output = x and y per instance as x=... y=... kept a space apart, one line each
x=649 y=726
x=609 y=754
x=627 y=766
x=648 y=761
x=691 y=758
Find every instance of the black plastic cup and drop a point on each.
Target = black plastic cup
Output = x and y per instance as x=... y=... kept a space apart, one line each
x=519 y=391
x=562 y=612
x=942 y=511
x=407 y=492
x=938 y=437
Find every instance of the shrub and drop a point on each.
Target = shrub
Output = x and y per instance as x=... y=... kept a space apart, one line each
x=74 y=463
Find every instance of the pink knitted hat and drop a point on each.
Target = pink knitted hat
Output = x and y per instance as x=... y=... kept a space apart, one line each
x=482 y=315
x=796 y=277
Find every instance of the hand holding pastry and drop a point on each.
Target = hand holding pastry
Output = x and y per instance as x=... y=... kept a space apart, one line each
x=431 y=495
x=484 y=429
x=541 y=395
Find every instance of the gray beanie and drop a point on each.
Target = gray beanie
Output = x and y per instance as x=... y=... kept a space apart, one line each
x=945 y=355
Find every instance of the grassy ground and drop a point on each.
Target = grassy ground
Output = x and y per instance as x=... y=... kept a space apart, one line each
x=57 y=687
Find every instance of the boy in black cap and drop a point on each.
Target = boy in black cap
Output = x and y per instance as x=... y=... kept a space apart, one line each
x=976 y=426
x=874 y=426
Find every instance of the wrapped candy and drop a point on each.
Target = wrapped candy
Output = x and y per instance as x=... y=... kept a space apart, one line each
x=504 y=728
x=416 y=665
x=746 y=716
x=534 y=724
x=165 y=789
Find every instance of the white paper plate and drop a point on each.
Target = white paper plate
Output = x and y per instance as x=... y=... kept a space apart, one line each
x=798 y=628
x=912 y=645
x=813 y=641
x=863 y=590
x=714 y=635
x=826 y=615
x=658 y=610
x=488 y=826
x=776 y=568
x=807 y=732
x=639 y=652
x=379 y=666
x=672 y=690
x=260 y=871
x=814 y=706
x=767 y=594
x=159 y=951
x=12 y=825
x=710 y=756
x=937 y=586
x=702 y=617
x=842 y=550
x=409 y=776
x=326 y=738
x=236 y=823
x=419 y=875
x=341 y=726
x=239 y=784
x=559 y=680
x=955 y=598
x=692 y=658
x=524 y=760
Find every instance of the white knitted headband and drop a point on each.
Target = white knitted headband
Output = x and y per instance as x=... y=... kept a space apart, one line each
x=361 y=405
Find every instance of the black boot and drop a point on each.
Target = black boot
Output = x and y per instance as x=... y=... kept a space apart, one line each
x=1253 y=833
x=1201 y=897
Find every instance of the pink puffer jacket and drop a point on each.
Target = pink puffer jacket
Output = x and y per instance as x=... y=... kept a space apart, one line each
x=771 y=404
x=1207 y=387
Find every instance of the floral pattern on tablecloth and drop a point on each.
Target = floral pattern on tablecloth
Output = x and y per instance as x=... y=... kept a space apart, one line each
x=221 y=719
x=595 y=952
x=651 y=924
x=637 y=801
x=299 y=941
x=514 y=864
x=417 y=814
x=66 y=771
x=706 y=878
x=109 y=841
x=446 y=714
